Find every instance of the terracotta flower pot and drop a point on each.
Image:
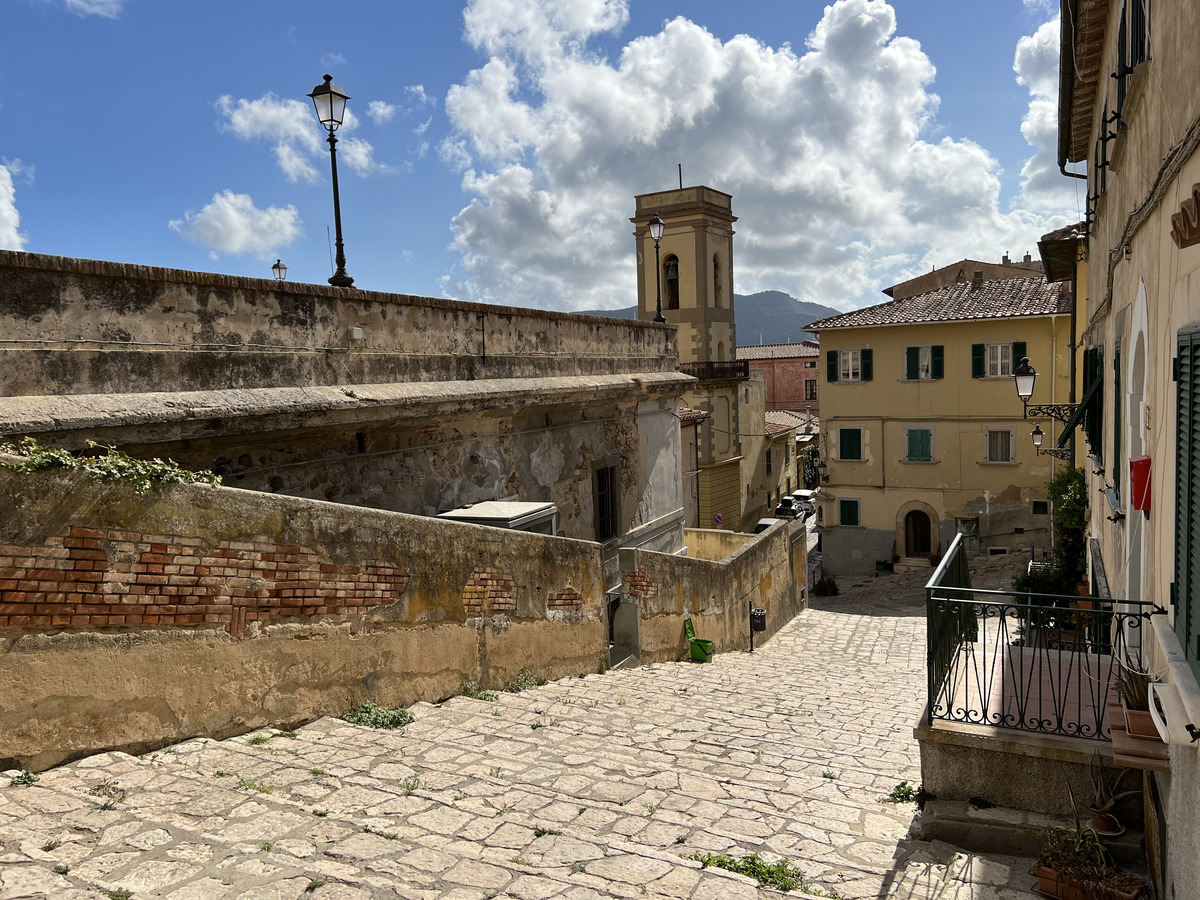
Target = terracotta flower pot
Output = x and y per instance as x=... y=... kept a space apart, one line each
x=1139 y=724
x=1052 y=884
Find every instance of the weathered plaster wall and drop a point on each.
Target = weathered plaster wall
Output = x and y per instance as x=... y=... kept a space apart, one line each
x=134 y=621
x=714 y=545
x=74 y=326
x=767 y=572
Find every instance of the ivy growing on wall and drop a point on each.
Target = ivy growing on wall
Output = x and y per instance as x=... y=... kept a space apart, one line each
x=110 y=464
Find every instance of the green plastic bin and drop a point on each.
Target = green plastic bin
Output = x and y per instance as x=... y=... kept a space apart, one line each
x=702 y=650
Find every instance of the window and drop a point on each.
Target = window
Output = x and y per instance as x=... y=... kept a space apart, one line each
x=768 y=462
x=919 y=444
x=810 y=389
x=670 y=276
x=924 y=363
x=1186 y=589
x=1117 y=424
x=998 y=445
x=849 y=443
x=849 y=365
x=1041 y=507
x=848 y=512
x=606 y=503
x=787 y=454
x=1093 y=413
x=995 y=360
x=716 y=280
x=810 y=364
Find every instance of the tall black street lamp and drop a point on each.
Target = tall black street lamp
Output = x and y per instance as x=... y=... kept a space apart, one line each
x=656 y=232
x=330 y=103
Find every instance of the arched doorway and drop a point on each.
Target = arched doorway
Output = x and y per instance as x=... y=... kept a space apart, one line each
x=918 y=540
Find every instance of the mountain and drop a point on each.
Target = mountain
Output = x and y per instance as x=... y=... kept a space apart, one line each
x=768 y=317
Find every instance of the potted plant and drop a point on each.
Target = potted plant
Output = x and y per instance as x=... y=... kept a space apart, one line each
x=1133 y=686
x=1105 y=798
x=1074 y=865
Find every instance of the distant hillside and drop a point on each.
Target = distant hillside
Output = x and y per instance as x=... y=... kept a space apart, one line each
x=768 y=317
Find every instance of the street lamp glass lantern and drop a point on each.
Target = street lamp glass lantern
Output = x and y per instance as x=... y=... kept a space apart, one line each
x=330 y=103
x=279 y=270
x=1038 y=436
x=656 y=228
x=1024 y=376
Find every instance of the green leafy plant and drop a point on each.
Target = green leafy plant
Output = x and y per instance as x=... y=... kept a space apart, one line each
x=51 y=845
x=260 y=739
x=525 y=680
x=902 y=793
x=287 y=734
x=826 y=587
x=222 y=773
x=320 y=813
x=61 y=869
x=254 y=786
x=374 y=716
x=118 y=894
x=780 y=875
x=410 y=784
x=313 y=885
x=542 y=832
x=267 y=846
x=829 y=775
x=24 y=778
x=475 y=692
x=112 y=465
x=316 y=772
x=578 y=868
x=1079 y=858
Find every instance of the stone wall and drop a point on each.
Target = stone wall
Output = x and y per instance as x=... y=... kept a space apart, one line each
x=767 y=572
x=75 y=326
x=132 y=621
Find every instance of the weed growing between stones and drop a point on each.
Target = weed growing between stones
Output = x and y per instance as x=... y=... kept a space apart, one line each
x=114 y=465
x=287 y=734
x=780 y=875
x=60 y=869
x=902 y=793
x=119 y=894
x=372 y=715
x=24 y=778
x=578 y=868
x=410 y=784
x=267 y=846
x=254 y=786
x=386 y=835
x=313 y=885
x=542 y=832
x=475 y=692
x=320 y=814
x=222 y=773
x=51 y=845
x=316 y=772
x=525 y=680
x=260 y=739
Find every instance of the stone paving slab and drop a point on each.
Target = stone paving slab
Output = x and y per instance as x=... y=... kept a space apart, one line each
x=593 y=787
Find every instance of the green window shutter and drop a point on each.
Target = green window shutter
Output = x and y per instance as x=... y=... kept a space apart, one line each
x=831 y=366
x=850 y=443
x=867 y=365
x=1018 y=353
x=912 y=363
x=937 y=361
x=848 y=512
x=978 y=366
x=919 y=449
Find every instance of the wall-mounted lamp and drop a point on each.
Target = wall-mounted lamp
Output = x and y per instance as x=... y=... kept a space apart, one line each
x=1039 y=436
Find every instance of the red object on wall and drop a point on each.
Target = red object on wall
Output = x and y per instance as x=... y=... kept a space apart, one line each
x=1139 y=482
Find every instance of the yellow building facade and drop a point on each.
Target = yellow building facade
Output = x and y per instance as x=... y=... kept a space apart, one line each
x=922 y=434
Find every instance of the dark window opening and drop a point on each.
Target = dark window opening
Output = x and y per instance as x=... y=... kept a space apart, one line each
x=671 y=282
x=606 y=503
x=1041 y=508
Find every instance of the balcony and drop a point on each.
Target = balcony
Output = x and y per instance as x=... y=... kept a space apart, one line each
x=1032 y=663
x=732 y=370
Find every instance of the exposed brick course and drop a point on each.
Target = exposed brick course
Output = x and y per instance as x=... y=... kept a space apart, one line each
x=489 y=591
x=565 y=599
x=98 y=578
x=639 y=584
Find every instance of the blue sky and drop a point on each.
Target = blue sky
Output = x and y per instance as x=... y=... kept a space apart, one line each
x=496 y=145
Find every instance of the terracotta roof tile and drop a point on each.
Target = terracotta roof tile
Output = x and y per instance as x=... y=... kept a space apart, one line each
x=779 y=351
x=959 y=302
x=687 y=416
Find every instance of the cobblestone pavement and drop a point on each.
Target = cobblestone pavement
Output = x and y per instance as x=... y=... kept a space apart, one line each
x=585 y=788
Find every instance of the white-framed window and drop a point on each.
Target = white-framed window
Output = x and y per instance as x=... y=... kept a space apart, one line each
x=999 y=444
x=918 y=444
x=850 y=365
x=999 y=360
x=849 y=513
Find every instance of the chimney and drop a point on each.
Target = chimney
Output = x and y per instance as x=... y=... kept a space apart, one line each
x=1028 y=259
x=1005 y=261
x=977 y=279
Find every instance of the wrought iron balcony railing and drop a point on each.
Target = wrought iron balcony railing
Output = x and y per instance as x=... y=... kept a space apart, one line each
x=717 y=371
x=1030 y=662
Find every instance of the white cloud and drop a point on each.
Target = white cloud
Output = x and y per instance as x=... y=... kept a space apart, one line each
x=298 y=139
x=110 y=9
x=826 y=152
x=424 y=126
x=329 y=60
x=232 y=224
x=381 y=111
x=10 y=218
x=417 y=92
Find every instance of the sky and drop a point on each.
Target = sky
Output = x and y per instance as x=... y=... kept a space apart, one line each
x=492 y=148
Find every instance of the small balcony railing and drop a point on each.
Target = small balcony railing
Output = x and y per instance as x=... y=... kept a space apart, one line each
x=1029 y=662
x=717 y=371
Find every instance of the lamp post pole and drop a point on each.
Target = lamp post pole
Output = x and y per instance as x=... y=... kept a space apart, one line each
x=330 y=103
x=656 y=232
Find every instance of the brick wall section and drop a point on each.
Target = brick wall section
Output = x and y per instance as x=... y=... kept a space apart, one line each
x=639 y=584
x=100 y=578
x=565 y=599
x=489 y=591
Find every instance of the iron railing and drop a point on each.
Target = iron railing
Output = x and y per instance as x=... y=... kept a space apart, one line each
x=1030 y=662
x=717 y=371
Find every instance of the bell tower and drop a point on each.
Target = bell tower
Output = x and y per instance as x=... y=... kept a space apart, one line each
x=695 y=269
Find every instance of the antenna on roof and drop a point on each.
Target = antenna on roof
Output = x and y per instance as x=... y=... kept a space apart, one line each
x=681 y=176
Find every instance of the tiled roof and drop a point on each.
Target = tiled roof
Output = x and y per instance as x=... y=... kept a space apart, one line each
x=775 y=429
x=688 y=416
x=958 y=303
x=779 y=351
